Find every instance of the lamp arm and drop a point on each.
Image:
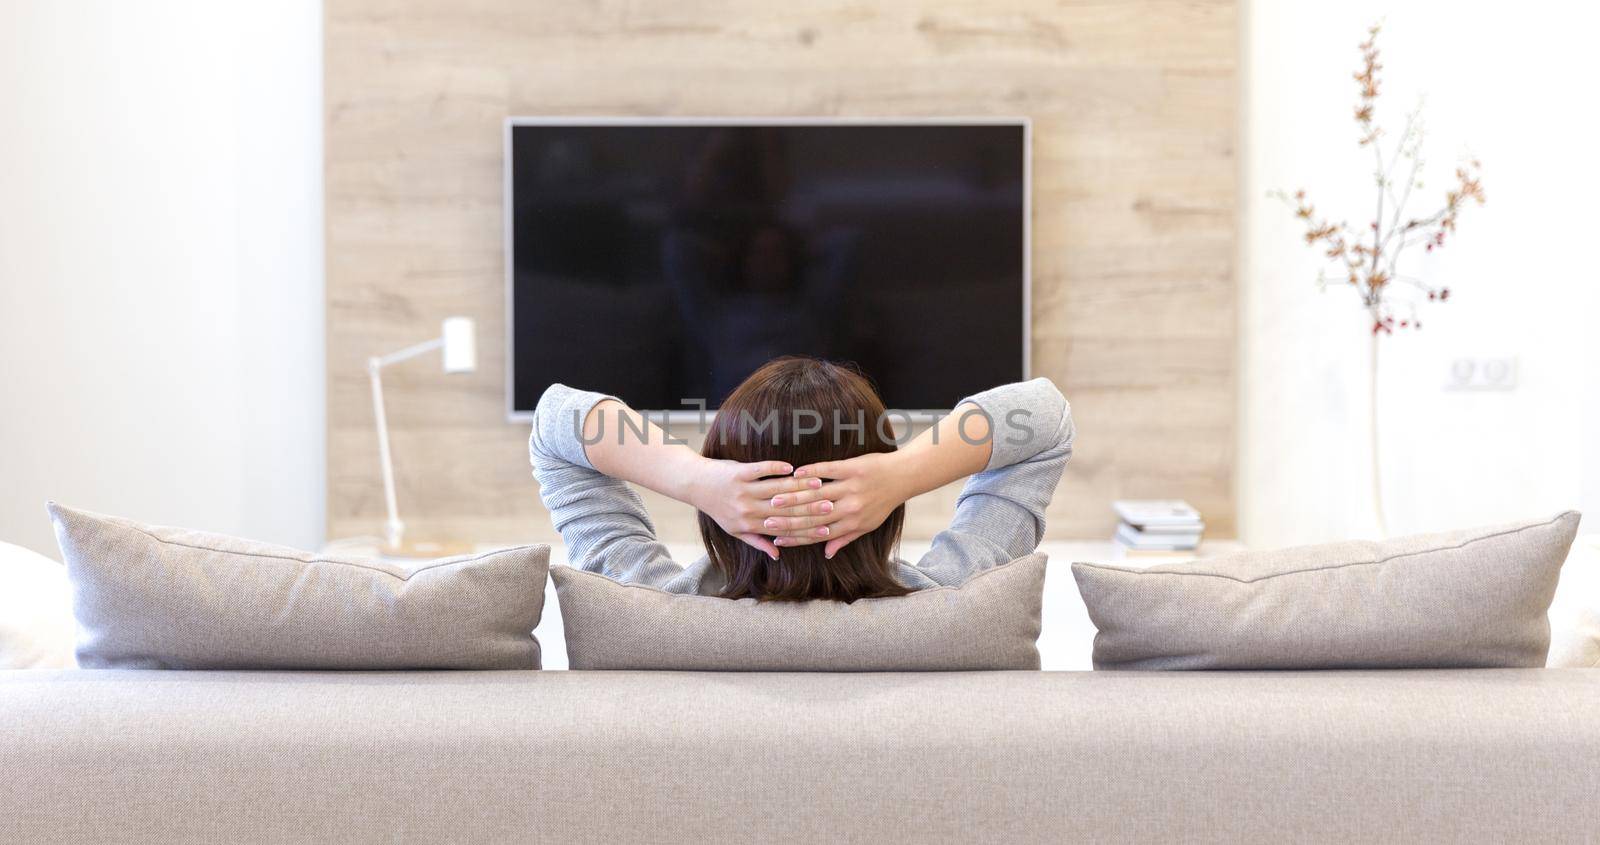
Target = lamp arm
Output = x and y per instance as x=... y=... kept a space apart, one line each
x=407 y=353
x=394 y=529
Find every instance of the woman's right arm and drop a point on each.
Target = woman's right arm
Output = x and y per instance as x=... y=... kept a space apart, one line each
x=586 y=447
x=1000 y=513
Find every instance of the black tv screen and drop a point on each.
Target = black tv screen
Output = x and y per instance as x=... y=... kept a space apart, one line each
x=665 y=261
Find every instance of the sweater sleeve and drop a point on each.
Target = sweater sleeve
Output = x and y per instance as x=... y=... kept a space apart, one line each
x=601 y=519
x=1000 y=512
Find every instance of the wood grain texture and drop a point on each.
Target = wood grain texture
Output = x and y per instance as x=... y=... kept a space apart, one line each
x=1134 y=108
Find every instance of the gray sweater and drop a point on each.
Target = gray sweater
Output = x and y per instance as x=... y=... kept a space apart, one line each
x=999 y=514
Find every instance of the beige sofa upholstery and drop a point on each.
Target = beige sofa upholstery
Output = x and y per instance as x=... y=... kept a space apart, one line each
x=1483 y=755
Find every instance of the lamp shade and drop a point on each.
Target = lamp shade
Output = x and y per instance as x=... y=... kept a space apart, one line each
x=460 y=345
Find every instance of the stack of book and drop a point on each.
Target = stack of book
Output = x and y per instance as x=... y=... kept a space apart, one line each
x=1158 y=526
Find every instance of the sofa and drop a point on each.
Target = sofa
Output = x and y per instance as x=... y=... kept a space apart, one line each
x=1414 y=756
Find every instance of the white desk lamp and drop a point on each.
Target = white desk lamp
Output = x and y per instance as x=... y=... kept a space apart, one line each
x=458 y=341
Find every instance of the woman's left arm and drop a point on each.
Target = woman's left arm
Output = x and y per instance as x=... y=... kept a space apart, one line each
x=1013 y=440
x=866 y=489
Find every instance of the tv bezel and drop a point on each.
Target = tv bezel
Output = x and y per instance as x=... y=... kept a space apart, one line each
x=683 y=415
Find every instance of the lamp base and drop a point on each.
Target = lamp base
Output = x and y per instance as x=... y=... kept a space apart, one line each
x=427 y=549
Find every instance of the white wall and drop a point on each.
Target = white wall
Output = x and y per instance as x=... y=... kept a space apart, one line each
x=1512 y=87
x=161 y=265
x=161 y=300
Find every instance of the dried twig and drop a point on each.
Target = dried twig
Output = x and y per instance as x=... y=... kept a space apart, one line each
x=1369 y=260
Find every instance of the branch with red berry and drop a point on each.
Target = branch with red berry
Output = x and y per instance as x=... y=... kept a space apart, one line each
x=1369 y=260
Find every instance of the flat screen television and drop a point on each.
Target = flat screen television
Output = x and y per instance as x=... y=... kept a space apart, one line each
x=663 y=260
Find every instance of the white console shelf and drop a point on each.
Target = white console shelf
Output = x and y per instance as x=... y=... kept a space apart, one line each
x=1065 y=642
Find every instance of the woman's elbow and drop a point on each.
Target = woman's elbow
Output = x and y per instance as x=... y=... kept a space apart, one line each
x=543 y=442
x=1055 y=414
x=551 y=399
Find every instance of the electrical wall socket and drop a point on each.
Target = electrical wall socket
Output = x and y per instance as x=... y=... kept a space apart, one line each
x=1482 y=374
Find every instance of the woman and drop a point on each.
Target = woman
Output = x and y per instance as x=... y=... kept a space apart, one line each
x=800 y=486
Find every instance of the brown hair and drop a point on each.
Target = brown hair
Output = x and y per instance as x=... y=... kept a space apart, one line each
x=803 y=411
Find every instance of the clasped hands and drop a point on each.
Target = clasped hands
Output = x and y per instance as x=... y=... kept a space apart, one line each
x=771 y=504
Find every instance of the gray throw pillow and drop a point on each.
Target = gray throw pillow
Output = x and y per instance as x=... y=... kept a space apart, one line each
x=1472 y=598
x=989 y=622
x=150 y=597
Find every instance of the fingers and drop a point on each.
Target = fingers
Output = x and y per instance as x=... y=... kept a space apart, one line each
x=761 y=469
x=834 y=544
x=837 y=543
x=761 y=543
x=773 y=525
x=813 y=509
x=755 y=518
x=813 y=493
x=826 y=469
x=791 y=542
x=787 y=484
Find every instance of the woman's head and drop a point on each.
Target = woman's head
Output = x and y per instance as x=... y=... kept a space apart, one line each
x=802 y=411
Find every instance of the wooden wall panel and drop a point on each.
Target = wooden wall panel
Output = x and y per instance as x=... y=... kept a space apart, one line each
x=1134 y=106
